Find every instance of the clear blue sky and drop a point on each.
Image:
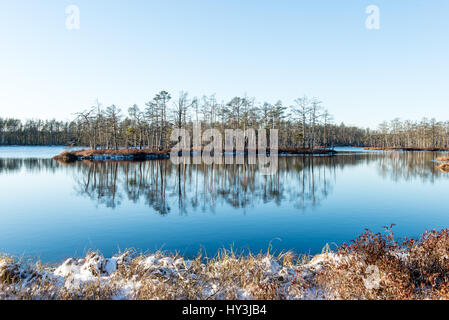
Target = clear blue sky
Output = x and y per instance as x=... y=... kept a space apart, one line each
x=126 y=51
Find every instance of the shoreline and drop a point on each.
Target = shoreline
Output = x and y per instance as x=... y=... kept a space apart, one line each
x=410 y=149
x=152 y=154
x=374 y=266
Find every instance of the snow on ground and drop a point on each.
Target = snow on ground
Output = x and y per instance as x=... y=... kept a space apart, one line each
x=157 y=276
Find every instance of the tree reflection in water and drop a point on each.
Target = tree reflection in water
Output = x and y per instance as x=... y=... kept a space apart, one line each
x=301 y=181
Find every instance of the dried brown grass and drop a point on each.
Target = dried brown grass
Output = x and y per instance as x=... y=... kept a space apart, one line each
x=373 y=266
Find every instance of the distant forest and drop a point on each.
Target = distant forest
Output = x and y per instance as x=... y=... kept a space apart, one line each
x=304 y=124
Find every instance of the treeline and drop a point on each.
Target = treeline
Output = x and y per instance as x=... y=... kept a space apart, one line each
x=37 y=132
x=303 y=124
x=410 y=134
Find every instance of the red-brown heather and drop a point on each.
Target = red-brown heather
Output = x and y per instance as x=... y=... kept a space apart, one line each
x=412 y=269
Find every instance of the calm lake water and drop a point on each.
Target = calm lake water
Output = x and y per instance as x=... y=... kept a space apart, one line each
x=53 y=211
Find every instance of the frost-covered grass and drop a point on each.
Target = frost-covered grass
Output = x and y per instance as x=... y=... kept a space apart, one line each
x=374 y=266
x=154 y=276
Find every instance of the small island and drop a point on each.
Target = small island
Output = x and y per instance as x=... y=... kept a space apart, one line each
x=132 y=154
x=112 y=154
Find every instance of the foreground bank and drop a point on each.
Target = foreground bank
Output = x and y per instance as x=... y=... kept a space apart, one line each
x=374 y=266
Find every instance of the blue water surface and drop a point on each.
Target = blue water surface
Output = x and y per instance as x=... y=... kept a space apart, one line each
x=52 y=211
